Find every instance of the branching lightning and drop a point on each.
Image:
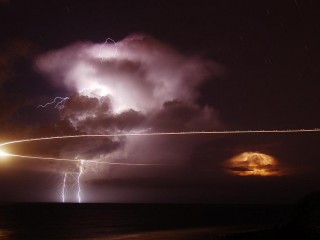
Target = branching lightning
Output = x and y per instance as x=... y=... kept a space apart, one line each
x=76 y=177
x=58 y=101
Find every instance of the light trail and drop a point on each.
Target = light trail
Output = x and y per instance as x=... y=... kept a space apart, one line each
x=4 y=154
x=77 y=160
x=161 y=134
x=98 y=161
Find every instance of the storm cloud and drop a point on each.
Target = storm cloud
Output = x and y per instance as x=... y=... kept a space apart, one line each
x=136 y=85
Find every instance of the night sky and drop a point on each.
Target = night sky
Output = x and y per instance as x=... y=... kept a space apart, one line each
x=171 y=66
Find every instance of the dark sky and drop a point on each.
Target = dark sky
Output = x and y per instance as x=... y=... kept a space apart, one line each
x=179 y=66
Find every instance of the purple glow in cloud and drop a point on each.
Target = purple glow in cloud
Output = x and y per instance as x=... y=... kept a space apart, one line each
x=146 y=84
x=143 y=74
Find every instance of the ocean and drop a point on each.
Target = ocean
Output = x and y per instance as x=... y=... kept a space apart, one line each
x=136 y=221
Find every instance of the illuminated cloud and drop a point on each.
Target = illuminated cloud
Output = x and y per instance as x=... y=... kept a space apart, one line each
x=141 y=75
x=138 y=84
x=253 y=164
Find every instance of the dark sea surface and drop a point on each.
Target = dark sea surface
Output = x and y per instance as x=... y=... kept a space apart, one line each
x=136 y=221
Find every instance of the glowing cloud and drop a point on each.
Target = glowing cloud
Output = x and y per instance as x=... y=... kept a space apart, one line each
x=141 y=84
x=142 y=75
x=253 y=164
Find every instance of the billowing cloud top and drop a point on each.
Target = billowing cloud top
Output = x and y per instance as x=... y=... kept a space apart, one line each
x=138 y=73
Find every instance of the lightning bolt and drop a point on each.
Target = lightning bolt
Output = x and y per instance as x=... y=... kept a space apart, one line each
x=76 y=176
x=63 y=192
x=58 y=101
x=78 y=180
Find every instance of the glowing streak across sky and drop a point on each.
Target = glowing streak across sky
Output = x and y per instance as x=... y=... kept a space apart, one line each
x=161 y=134
x=138 y=134
x=77 y=160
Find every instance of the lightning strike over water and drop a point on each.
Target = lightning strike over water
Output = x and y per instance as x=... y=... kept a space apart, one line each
x=63 y=192
x=70 y=180
x=57 y=101
x=74 y=177
x=78 y=180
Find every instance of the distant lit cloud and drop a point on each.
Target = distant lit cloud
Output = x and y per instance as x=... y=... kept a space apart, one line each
x=253 y=164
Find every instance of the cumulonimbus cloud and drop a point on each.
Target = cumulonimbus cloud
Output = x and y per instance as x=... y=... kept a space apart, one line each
x=138 y=73
x=137 y=84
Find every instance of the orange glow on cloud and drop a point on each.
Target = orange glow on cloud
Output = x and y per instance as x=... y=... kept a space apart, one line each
x=253 y=164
